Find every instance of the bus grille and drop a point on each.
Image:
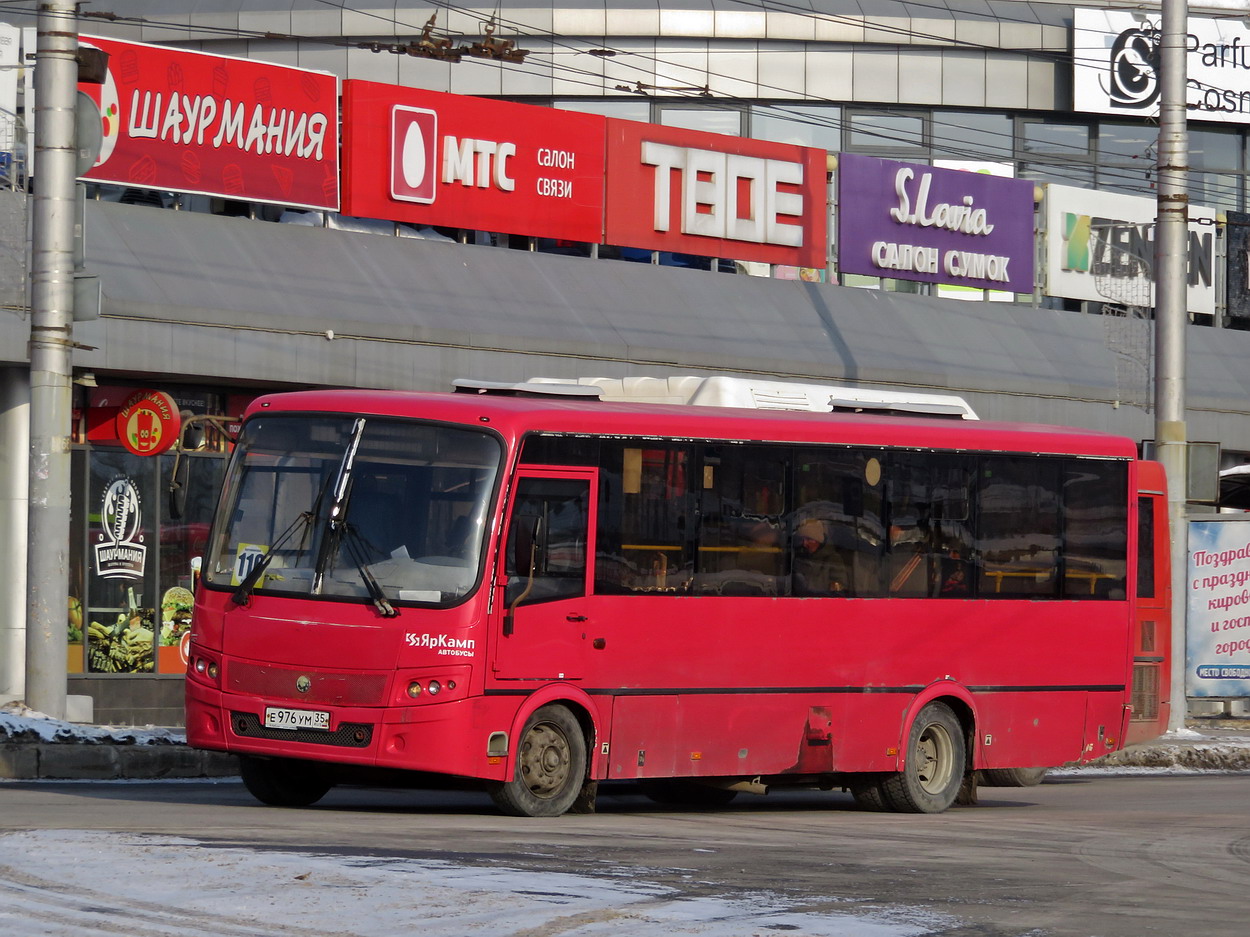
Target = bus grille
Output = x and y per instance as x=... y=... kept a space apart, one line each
x=336 y=689
x=347 y=735
x=1145 y=692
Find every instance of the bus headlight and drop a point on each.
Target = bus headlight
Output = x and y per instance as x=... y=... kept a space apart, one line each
x=414 y=689
x=435 y=688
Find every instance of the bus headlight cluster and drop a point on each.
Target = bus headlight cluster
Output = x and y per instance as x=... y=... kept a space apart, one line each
x=206 y=668
x=431 y=687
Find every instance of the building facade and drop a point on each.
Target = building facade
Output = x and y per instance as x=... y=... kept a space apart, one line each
x=214 y=304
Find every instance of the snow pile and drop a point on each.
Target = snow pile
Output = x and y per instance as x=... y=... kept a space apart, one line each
x=1196 y=752
x=19 y=723
x=65 y=883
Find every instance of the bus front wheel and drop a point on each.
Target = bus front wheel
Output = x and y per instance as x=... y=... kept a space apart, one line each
x=281 y=782
x=550 y=766
x=934 y=769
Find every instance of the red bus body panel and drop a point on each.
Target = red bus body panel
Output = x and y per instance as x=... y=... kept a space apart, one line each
x=684 y=686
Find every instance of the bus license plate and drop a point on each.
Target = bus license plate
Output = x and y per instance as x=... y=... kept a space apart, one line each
x=278 y=718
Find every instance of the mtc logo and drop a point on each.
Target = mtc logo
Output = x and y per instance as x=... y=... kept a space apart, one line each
x=415 y=163
x=723 y=195
x=414 y=148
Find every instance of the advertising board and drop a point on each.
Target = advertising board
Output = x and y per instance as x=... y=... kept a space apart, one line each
x=692 y=192
x=1217 y=623
x=1100 y=246
x=432 y=158
x=192 y=122
x=934 y=225
x=1114 y=54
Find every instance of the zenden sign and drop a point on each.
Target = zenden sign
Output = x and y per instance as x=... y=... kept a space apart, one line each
x=1100 y=247
x=934 y=225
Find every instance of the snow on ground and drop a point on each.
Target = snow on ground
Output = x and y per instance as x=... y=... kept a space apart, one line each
x=84 y=884
x=20 y=723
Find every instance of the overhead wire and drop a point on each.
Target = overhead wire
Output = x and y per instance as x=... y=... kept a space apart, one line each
x=595 y=79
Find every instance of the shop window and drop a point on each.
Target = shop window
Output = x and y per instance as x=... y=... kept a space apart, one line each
x=975 y=135
x=874 y=133
x=186 y=514
x=621 y=110
x=710 y=119
x=1055 y=138
x=818 y=126
x=121 y=557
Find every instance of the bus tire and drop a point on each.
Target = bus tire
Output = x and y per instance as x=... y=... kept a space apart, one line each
x=282 y=782
x=867 y=793
x=1013 y=777
x=934 y=768
x=679 y=793
x=550 y=766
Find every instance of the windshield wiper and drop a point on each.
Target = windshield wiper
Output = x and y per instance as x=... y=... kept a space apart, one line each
x=244 y=590
x=338 y=508
x=355 y=548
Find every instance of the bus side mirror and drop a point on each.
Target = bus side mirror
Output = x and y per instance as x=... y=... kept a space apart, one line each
x=179 y=478
x=523 y=561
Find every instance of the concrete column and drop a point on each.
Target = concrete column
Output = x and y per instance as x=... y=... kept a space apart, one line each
x=14 y=463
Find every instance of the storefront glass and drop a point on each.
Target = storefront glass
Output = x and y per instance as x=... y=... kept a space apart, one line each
x=133 y=541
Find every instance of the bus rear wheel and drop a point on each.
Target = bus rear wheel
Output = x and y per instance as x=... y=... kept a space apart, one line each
x=550 y=766
x=868 y=794
x=1013 y=777
x=934 y=766
x=282 y=782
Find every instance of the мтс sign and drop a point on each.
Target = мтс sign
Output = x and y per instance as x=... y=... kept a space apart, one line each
x=414 y=153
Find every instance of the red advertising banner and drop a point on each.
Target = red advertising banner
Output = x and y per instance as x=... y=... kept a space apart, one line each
x=445 y=159
x=717 y=196
x=211 y=125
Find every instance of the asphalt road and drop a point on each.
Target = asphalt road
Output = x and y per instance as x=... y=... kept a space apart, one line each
x=1075 y=857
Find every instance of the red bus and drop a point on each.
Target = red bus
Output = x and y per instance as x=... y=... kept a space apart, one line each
x=535 y=594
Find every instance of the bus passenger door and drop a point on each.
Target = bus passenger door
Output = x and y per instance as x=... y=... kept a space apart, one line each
x=541 y=618
x=1152 y=626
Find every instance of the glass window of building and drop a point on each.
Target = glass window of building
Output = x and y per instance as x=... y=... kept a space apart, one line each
x=819 y=126
x=1222 y=190
x=1056 y=138
x=1131 y=144
x=882 y=133
x=1059 y=173
x=972 y=135
x=628 y=109
x=727 y=120
x=1214 y=149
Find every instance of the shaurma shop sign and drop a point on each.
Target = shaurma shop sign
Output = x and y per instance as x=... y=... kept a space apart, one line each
x=213 y=125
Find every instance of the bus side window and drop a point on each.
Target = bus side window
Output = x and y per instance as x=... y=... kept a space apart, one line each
x=553 y=513
x=1019 y=533
x=1145 y=548
x=1095 y=517
x=645 y=506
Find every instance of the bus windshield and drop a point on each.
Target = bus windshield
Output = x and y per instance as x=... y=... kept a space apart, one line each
x=382 y=509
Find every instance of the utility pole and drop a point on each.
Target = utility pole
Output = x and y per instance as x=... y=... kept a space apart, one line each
x=1171 y=317
x=51 y=345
